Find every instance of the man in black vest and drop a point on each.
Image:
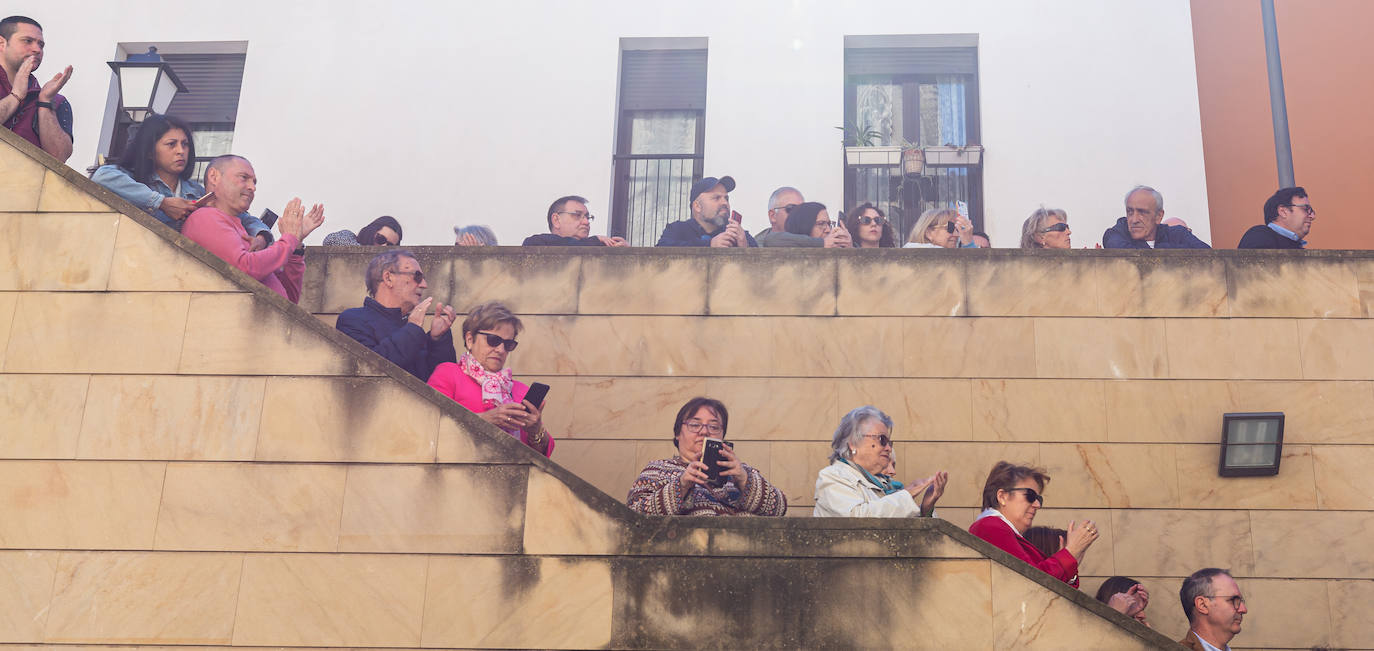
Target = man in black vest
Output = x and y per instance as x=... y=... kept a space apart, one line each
x=1288 y=219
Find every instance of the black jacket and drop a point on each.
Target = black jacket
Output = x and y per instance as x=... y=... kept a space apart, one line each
x=549 y=239
x=689 y=233
x=1166 y=237
x=387 y=331
x=1263 y=237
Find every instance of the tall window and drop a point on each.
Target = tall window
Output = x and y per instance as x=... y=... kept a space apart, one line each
x=922 y=96
x=210 y=104
x=659 y=134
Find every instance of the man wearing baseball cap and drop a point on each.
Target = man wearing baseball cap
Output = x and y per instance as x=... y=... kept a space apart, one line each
x=711 y=223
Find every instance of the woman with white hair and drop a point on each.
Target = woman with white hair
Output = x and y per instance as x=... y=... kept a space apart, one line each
x=854 y=484
x=1046 y=228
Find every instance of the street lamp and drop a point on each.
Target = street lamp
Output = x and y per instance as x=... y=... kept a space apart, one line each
x=146 y=84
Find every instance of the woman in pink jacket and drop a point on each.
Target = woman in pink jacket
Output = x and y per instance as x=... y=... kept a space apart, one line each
x=481 y=382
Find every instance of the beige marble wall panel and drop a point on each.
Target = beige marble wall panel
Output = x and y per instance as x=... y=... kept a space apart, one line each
x=1201 y=487
x=634 y=407
x=1233 y=348
x=528 y=282
x=1351 y=627
x=560 y=403
x=62 y=252
x=794 y=468
x=458 y=444
x=1299 y=287
x=646 y=345
x=21 y=181
x=60 y=195
x=939 y=347
x=657 y=285
x=41 y=413
x=430 y=508
x=968 y=465
x=171 y=417
x=1313 y=544
x=1039 y=410
x=1190 y=411
x=998 y=287
x=1364 y=274
x=1337 y=348
x=26 y=579
x=921 y=410
x=558 y=521
x=345 y=419
x=907 y=286
x=144 y=262
x=97 y=333
x=609 y=465
x=1114 y=475
x=1158 y=286
x=792 y=287
x=772 y=408
x=8 y=301
x=250 y=507
x=237 y=334
x=1027 y=616
x=1178 y=542
x=1099 y=558
x=518 y=602
x=331 y=599
x=1100 y=348
x=335 y=284
x=1284 y=613
x=935 y=604
x=961 y=516
x=78 y=504
x=1342 y=475
x=836 y=346
x=142 y=597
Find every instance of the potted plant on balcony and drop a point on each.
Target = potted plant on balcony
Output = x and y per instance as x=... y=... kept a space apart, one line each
x=954 y=155
x=913 y=159
x=861 y=148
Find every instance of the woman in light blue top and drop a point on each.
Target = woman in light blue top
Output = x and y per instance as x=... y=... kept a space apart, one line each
x=154 y=173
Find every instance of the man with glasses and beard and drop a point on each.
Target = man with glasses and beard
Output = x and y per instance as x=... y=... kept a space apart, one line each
x=1214 y=608
x=712 y=223
x=391 y=320
x=1288 y=219
x=570 y=224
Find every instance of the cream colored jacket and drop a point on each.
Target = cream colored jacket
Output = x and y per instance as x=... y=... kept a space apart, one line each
x=843 y=491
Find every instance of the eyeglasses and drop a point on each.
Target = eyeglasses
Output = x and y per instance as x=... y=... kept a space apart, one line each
x=695 y=427
x=1235 y=599
x=786 y=208
x=1058 y=228
x=1307 y=208
x=826 y=225
x=418 y=275
x=869 y=221
x=1031 y=495
x=578 y=215
x=883 y=439
x=495 y=340
x=381 y=240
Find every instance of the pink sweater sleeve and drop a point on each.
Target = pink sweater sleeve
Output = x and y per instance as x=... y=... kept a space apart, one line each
x=224 y=236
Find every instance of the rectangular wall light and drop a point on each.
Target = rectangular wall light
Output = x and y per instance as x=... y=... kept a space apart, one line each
x=1251 y=444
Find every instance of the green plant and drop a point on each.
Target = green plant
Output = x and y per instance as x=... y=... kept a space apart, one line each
x=856 y=136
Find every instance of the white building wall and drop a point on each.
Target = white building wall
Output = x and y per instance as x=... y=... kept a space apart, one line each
x=460 y=112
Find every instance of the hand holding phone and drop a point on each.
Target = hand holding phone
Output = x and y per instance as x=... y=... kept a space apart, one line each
x=536 y=394
x=205 y=200
x=711 y=456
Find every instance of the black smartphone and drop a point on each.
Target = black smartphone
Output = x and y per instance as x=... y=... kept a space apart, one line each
x=536 y=394
x=710 y=456
x=949 y=226
x=269 y=217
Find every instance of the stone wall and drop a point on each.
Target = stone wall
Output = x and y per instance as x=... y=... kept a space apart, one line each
x=1111 y=369
x=188 y=459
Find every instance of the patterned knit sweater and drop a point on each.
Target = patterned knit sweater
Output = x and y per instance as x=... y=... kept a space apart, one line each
x=658 y=491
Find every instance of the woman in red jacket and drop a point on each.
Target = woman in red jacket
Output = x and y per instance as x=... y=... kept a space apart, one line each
x=1011 y=497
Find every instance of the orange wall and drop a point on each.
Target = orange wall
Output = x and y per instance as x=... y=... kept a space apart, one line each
x=1323 y=45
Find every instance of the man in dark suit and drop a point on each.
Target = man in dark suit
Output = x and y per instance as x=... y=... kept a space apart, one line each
x=1288 y=219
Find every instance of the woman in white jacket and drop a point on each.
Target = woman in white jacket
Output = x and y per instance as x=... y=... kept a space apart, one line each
x=853 y=485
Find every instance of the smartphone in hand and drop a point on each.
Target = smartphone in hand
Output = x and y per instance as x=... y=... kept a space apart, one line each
x=204 y=201
x=536 y=394
x=710 y=455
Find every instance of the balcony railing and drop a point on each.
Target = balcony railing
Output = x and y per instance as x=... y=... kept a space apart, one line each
x=652 y=191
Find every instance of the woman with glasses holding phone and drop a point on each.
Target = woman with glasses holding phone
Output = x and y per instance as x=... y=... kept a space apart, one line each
x=870 y=228
x=481 y=382
x=1011 y=498
x=941 y=228
x=1046 y=228
x=684 y=485
x=856 y=484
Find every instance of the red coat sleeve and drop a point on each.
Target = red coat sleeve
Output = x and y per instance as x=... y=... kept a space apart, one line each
x=1062 y=565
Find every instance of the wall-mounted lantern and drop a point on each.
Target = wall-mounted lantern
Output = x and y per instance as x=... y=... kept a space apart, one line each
x=1251 y=444
x=146 y=84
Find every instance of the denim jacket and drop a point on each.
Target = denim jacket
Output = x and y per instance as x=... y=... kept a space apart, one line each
x=149 y=198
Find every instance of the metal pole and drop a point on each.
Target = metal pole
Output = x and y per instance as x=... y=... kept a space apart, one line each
x=1278 y=106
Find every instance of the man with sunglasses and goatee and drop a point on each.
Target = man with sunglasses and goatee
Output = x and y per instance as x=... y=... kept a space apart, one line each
x=391 y=320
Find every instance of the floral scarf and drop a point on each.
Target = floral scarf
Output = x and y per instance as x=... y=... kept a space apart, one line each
x=497 y=388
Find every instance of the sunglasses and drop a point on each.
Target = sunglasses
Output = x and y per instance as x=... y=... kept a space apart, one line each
x=1058 y=228
x=418 y=275
x=495 y=340
x=869 y=221
x=381 y=240
x=1031 y=495
x=883 y=439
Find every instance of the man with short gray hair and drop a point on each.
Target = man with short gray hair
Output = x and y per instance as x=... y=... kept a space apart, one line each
x=392 y=319
x=1141 y=227
x=1214 y=608
x=780 y=202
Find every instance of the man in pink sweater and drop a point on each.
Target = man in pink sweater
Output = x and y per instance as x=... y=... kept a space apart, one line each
x=280 y=266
